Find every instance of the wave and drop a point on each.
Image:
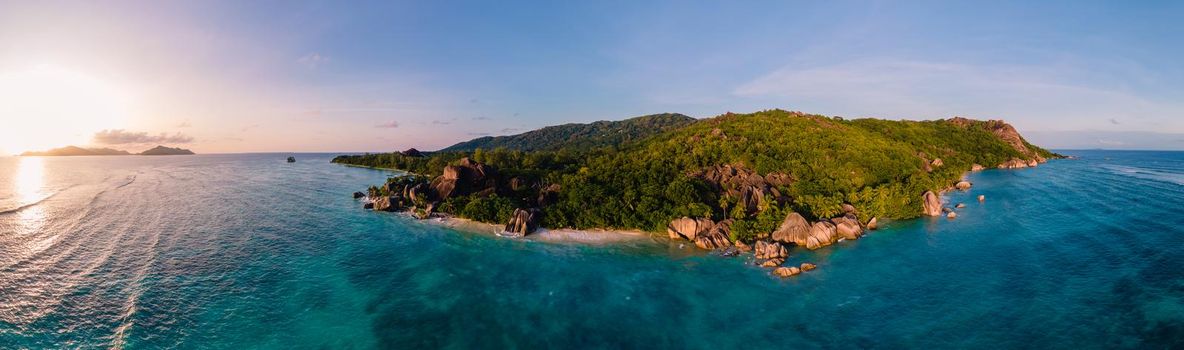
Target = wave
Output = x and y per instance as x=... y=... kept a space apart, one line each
x=1147 y=174
x=27 y=205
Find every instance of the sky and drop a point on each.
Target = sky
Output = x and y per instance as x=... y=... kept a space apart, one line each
x=278 y=76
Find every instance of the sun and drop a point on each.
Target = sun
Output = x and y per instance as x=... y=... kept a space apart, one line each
x=47 y=106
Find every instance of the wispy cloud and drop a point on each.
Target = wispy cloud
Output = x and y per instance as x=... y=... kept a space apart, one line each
x=388 y=125
x=440 y=122
x=123 y=137
x=313 y=60
x=184 y=124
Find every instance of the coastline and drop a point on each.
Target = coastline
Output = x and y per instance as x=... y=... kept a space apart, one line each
x=592 y=236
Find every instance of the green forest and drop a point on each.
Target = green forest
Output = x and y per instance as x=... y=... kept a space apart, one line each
x=880 y=167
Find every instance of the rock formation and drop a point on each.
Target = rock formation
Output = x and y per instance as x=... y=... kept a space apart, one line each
x=932 y=204
x=688 y=228
x=963 y=185
x=523 y=222
x=772 y=262
x=977 y=167
x=784 y=272
x=793 y=229
x=770 y=250
x=847 y=228
x=464 y=178
x=872 y=224
x=716 y=237
x=386 y=203
x=359 y=195
x=960 y=205
x=951 y=215
x=808 y=267
x=744 y=185
x=1014 y=163
x=982 y=198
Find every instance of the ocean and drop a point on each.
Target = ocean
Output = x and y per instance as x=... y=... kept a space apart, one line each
x=246 y=251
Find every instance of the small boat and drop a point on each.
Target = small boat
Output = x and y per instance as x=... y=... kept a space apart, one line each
x=291 y=159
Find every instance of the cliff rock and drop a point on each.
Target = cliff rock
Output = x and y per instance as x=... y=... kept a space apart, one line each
x=932 y=204
x=963 y=185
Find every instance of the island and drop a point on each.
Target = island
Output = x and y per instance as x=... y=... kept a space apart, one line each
x=762 y=182
x=166 y=151
x=79 y=151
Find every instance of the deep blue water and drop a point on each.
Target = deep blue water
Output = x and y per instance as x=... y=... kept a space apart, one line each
x=246 y=251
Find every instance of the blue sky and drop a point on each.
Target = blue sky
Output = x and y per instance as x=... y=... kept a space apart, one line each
x=371 y=76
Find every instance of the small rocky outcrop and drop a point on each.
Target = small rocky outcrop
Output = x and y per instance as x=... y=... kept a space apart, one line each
x=742 y=247
x=848 y=208
x=523 y=222
x=386 y=203
x=932 y=204
x=291 y=159
x=716 y=237
x=977 y=167
x=785 y=272
x=368 y=205
x=962 y=185
x=770 y=250
x=808 y=267
x=873 y=224
x=772 y=262
x=794 y=229
x=847 y=228
x=822 y=234
x=1014 y=163
x=464 y=178
x=359 y=195
x=982 y=198
x=688 y=228
x=960 y=205
x=951 y=215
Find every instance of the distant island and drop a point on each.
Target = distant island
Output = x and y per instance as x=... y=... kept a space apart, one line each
x=79 y=151
x=758 y=181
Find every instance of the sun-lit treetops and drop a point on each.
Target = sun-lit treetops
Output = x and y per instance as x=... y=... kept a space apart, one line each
x=881 y=167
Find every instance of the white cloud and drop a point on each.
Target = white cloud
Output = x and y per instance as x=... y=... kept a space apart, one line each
x=122 y=137
x=313 y=60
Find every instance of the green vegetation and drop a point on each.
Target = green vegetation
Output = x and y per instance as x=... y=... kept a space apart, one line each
x=881 y=167
x=579 y=136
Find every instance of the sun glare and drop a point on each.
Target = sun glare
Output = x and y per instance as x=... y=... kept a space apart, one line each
x=47 y=106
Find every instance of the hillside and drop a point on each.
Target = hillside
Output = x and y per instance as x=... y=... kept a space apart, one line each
x=748 y=173
x=573 y=136
x=165 y=151
x=77 y=151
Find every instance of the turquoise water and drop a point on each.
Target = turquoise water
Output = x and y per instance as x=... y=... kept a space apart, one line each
x=246 y=251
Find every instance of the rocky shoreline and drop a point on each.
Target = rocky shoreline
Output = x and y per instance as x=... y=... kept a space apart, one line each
x=418 y=197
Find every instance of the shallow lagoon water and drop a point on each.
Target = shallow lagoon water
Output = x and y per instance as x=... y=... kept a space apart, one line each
x=247 y=251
